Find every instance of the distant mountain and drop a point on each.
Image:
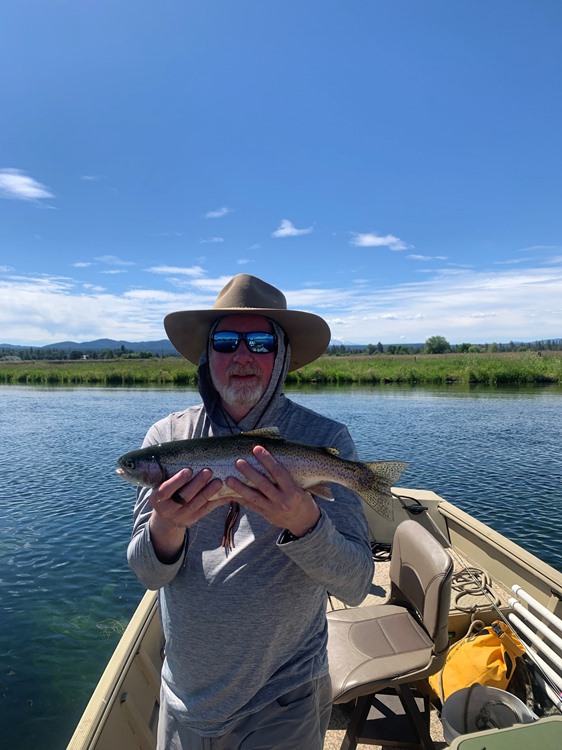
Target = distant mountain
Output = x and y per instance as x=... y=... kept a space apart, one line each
x=155 y=347
x=164 y=348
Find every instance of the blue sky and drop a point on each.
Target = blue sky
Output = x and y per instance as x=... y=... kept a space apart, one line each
x=392 y=165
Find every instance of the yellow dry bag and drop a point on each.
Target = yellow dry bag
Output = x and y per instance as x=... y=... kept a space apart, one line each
x=485 y=655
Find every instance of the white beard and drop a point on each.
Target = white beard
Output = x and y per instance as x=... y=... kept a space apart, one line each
x=241 y=394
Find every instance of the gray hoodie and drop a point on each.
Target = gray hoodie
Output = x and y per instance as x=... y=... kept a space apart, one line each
x=244 y=627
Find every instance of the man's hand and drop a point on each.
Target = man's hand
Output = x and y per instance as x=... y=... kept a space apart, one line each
x=277 y=497
x=178 y=503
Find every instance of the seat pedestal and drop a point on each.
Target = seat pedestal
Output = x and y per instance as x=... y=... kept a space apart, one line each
x=384 y=720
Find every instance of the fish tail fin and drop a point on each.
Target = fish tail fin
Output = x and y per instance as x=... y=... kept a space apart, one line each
x=384 y=474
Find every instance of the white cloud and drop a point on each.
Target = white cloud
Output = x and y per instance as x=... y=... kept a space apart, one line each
x=511 y=262
x=426 y=257
x=14 y=183
x=217 y=213
x=193 y=271
x=287 y=229
x=92 y=177
x=370 y=239
x=6 y=269
x=213 y=285
x=113 y=260
x=211 y=240
x=462 y=305
x=541 y=248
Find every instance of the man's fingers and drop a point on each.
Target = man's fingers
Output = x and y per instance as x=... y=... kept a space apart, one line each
x=276 y=472
x=245 y=493
x=265 y=485
x=188 y=490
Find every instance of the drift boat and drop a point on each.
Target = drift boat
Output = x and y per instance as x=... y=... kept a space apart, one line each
x=504 y=581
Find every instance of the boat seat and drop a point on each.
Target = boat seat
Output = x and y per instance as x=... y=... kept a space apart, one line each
x=392 y=645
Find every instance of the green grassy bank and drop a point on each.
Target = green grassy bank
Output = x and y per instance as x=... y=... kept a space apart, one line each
x=521 y=368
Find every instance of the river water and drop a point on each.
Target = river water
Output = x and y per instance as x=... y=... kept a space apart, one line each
x=65 y=590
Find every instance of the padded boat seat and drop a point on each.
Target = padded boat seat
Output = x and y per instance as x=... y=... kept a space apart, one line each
x=370 y=645
x=401 y=641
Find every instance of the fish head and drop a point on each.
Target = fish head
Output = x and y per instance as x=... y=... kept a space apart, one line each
x=141 y=469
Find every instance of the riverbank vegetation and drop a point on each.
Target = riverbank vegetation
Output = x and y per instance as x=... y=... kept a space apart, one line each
x=106 y=349
x=491 y=369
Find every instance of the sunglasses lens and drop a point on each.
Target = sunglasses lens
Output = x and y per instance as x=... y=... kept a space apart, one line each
x=225 y=341
x=261 y=343
x=258 y=342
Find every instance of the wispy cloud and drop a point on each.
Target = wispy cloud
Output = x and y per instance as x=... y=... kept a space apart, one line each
x=511 y=262
x=288 y=229
x=371 y=239
x=14 y=183
x=113 y=260
x=426 y=257
x=6 y=269
x=218 y=213
x=93 y=177
x=211 y=240
x=192 y=271
x=549 y=248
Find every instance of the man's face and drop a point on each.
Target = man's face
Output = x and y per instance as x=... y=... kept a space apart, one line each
x=241 y=377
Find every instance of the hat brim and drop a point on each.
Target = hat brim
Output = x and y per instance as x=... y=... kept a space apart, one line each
x=308 y=334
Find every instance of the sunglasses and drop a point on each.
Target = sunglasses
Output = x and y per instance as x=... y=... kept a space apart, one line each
x=258 y=342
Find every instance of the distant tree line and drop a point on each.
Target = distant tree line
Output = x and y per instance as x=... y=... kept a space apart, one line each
x=433 y=345
x=40 y=353
x=440 y=345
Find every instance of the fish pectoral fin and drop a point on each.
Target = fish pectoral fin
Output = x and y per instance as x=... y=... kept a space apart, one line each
x=321 y=490
x=265 y=432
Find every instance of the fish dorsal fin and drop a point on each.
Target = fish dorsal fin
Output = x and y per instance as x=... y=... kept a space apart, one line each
x=331 y=451
x=264 y=432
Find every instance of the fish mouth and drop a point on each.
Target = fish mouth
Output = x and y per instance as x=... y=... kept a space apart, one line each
x=128 y=477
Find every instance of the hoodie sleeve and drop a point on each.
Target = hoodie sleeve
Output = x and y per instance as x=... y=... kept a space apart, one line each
x=341 y=562
x=337 y=553
x=150 y=571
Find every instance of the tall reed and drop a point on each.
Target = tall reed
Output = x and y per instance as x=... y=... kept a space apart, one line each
x=520 y=368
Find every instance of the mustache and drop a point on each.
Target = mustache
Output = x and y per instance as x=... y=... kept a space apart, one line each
x=242 y=370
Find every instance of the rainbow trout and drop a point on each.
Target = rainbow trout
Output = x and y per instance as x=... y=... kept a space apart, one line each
x=312 y=468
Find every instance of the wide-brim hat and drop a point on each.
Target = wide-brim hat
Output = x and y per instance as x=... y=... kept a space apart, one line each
x=308 y=334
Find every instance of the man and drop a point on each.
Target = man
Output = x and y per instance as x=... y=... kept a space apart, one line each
x=243 y=586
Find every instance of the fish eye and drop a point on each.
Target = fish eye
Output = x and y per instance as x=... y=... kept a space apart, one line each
x=130 y=463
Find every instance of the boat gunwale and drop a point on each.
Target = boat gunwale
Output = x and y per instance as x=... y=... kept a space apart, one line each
x=101 y=703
